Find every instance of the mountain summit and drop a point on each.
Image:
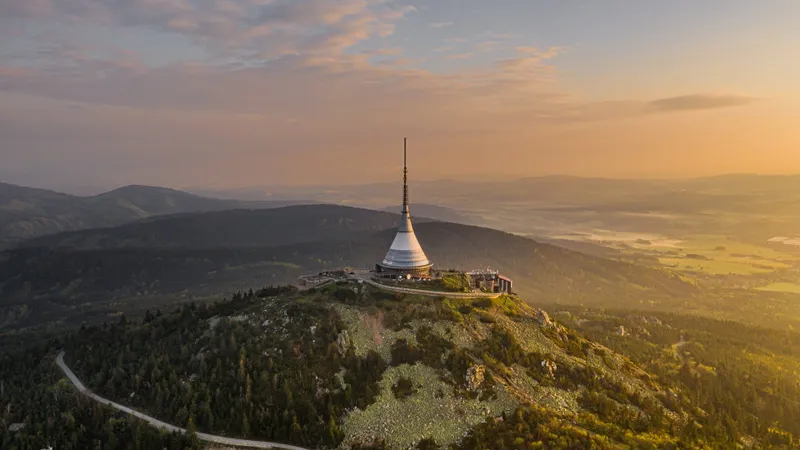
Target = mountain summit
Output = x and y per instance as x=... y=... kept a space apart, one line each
x=348 y=366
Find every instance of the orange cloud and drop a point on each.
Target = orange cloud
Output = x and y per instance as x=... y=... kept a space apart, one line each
x=699 y=102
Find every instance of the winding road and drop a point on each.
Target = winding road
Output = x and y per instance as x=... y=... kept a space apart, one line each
x=676 y=347
x=163 y=425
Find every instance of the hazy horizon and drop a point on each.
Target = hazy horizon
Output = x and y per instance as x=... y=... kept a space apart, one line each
x=287 y=188
x=198 y=93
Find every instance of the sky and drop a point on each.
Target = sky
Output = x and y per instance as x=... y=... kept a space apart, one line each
x=239 y=93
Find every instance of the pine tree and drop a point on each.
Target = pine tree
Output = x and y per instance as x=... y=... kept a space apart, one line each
x=191 y=433
x=334 y=434
x=245 y=426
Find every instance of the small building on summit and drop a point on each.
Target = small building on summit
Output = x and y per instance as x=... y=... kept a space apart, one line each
x=405 y=258
x=490 y=280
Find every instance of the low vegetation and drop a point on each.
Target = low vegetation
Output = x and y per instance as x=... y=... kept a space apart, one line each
x=743 y=377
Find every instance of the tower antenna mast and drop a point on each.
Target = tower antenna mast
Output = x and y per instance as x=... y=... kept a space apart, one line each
x=405 y=178
x=405 y=257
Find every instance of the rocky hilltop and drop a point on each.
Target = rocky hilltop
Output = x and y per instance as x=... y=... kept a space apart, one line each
x=348 y=366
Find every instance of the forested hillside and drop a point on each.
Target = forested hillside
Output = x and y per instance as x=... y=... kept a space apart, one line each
x=745 y=377
x=348 y=366
x=230 y=229
x=223 y=252
x=40 y=409
x=26 y=212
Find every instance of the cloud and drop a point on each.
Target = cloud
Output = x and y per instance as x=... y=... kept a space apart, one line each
x=293 y=13
x=395 y=62
x=542 y=54
x=291 y=85
x=698 y=102
x=440 y=24
x=9 y=73
x=247 y=28
x=529 y=58
x=389 y=51
x=459 y=56
x=273 y=47
x=25 y=8
x=486 y=46
x=498 y=36
x=290 y=74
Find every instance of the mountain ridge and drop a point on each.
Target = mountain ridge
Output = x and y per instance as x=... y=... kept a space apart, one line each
x=27 y=213
x=270 y=227
x=195 y=254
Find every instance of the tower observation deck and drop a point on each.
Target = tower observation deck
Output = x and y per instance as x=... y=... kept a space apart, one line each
x=405 y=256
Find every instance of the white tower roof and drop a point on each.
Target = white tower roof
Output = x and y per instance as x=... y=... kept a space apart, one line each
x=405 y=252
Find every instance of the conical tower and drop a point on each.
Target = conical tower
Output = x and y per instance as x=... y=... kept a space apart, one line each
x=405 y=256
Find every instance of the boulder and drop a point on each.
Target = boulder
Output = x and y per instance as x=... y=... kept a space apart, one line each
x=550 y=367
x=343 y=342
x=475 y=376
x=543 y=318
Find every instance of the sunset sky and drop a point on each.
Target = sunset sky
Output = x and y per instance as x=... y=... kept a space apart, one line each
x=234 y=93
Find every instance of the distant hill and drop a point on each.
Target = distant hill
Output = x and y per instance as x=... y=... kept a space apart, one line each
x=27 y=212
x=229 y=229
x=193 y=256
x=435 y=212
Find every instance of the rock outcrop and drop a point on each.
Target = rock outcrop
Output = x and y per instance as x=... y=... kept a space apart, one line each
x=543 y=318
x=474 y=377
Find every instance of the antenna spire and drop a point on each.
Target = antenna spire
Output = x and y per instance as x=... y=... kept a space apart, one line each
x=405 y=179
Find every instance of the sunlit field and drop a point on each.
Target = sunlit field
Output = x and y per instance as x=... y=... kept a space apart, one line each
x=709 y=254
x=793 y=288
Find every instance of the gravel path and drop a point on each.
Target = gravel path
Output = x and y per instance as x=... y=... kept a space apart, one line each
x=163 y=425
x=424 y=292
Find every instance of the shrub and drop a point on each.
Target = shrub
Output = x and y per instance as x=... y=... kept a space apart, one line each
x=405 y=353
x=483 y=303
x=404 y=388
x=428 y=444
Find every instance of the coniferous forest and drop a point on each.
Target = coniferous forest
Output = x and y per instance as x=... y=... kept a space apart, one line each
x=209 y=368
